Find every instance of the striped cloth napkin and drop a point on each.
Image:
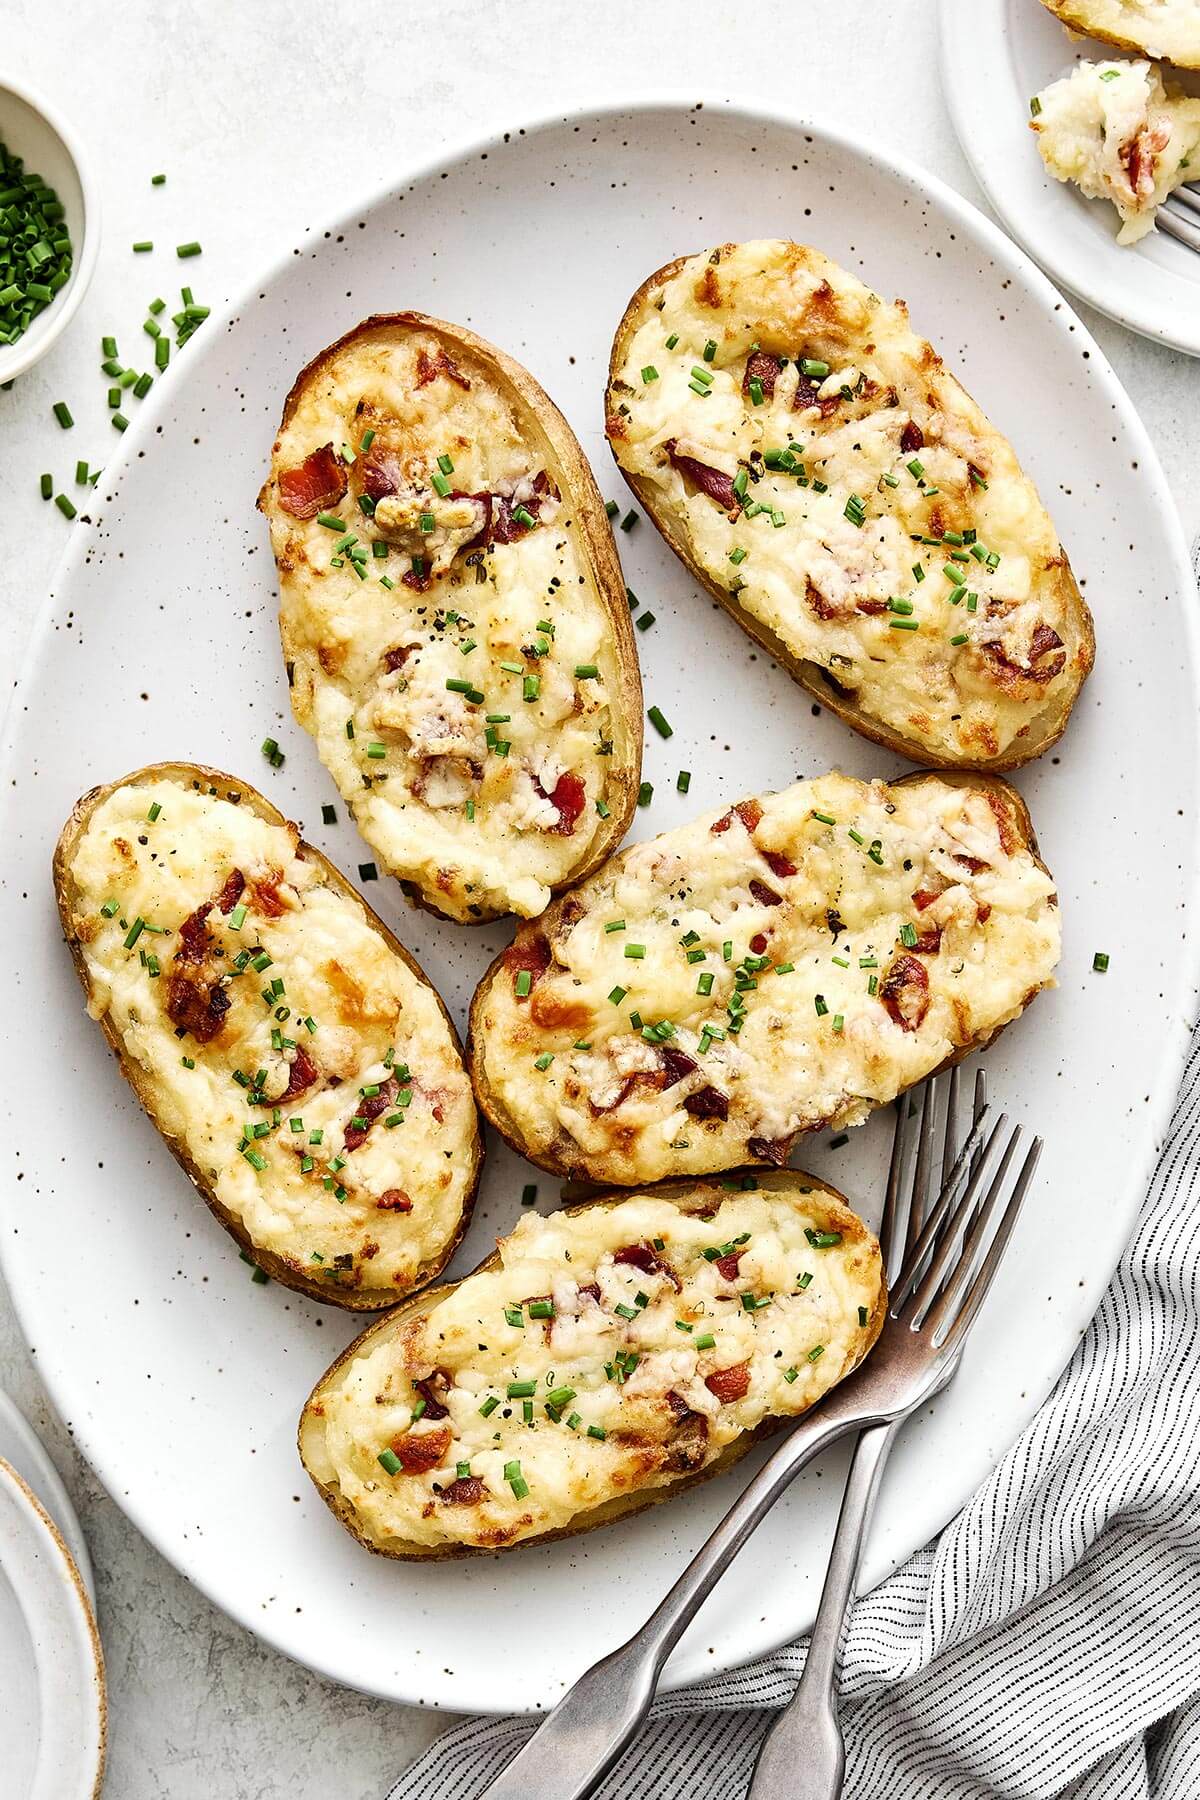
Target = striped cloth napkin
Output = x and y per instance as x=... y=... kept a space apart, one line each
x=1048 y=1644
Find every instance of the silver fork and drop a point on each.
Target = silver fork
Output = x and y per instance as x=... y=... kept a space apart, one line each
x=802 y=1756
x=1179 y=216
x=946 y=1271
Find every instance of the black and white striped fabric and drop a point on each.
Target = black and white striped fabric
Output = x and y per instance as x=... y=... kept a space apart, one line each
x=1048 y=1644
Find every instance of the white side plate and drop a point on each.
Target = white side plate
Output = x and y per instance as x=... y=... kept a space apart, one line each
x=995 y=55
x=52 y=1696
x=182 y=1379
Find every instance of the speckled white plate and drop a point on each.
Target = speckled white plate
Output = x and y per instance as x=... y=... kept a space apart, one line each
x=52 y=1696
x=24 y=1451
x=995 y=55
x=182 y=1379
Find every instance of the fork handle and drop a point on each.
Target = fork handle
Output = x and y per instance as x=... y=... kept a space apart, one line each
x=577 y=1744
x=802 y=1756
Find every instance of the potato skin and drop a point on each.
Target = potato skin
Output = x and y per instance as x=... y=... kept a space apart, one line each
x=689 y=1196
x=810 y=676
x=510 y=1130
x=532 y=404
x=1088 y=17
x=273 y=1265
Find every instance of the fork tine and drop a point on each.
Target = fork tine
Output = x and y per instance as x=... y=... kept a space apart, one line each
x=954 y=1255
x=910 y=1272
x=950 y=1137
x=1187 y=197
x=1182 y=230
x=891 y=1226
x=981 y=1279
x=980 y=1103
x=920 y=1186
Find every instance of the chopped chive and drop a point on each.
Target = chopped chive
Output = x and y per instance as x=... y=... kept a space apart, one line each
x=1100 y=962
x=659 y=722
x=185 y=250
x=62 y=413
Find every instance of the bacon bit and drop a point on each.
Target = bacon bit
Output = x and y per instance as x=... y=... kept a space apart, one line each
x=468 y=1490
x=196 y=1006
x=645 y=1258
x=713 y=482
x=319 y=481
x=419 y=582
x=1004 y=824
x=923 y=898
x=728 y=1265
x=708 y=1103
x=196 y=1001
x=748 y=811
x=301 y=1075
x=758 y=942
x=381 y=472
x=676 y=1063
x=394 y=1200
x=529 y=951
x=983 y=913
x=929 y=941
x=266 y=896
x=369 y=1110
x=429 y=367
x=1010 y=674
x=677 y=1404
x=231 y=893
x=779 y=864
x=905 y=992
x=975 y=864
x=433 y=1406
x=912 y=437
x=396 y=659
x=764 y=895
x=772 y=1150
x=418 y=1452
x=590 y=1291
x=872 y=608
x=729 y=1384
x=763 y=368
x=824 y=609
x=1138 y=156
x=569 y=796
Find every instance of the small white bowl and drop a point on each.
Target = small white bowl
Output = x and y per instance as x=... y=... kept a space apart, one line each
x=31 y=129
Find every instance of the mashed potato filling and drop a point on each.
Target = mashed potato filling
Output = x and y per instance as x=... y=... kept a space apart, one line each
x=821 y=468
x=281 y=1043
x=1115 y=131
x=448 y=645
x=788 y=964
x=611 y=1349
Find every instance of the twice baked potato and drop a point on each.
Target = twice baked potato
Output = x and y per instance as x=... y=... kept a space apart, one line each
x=602 y=1359
x=784 y=965
x=815 y=465
x=453 y=616
x=1168 y=29
x=298 y=1063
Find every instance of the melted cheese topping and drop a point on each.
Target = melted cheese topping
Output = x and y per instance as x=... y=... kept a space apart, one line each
x=447 y=717
x=1166 y=28
x=318 y=981
x=701 y=1004
x=1119 y=135
x=569 y=1377
x=883 y=530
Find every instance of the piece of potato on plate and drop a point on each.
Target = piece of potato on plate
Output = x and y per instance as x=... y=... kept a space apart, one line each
x=453 y=616
x=602 y=1359
x=815 y=465
x=1169 y=29
x=786 y=964
x=298 y=1063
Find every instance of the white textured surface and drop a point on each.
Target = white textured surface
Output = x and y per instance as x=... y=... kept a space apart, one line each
x=267 y=120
